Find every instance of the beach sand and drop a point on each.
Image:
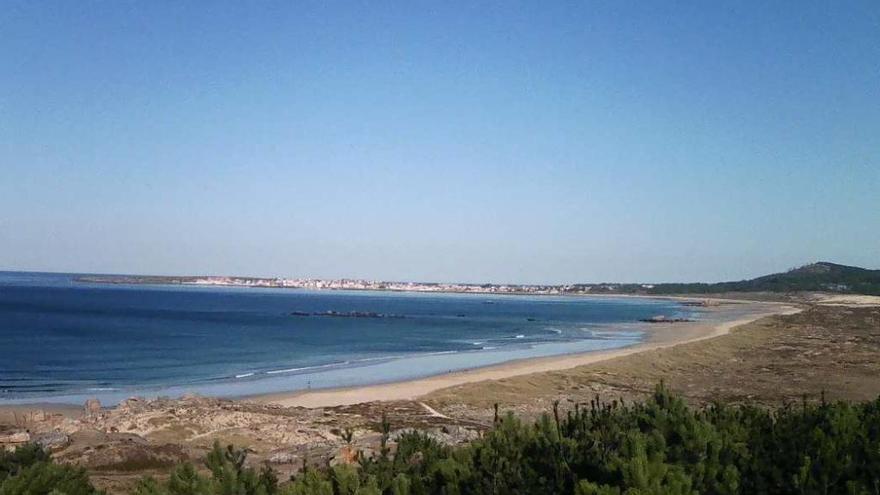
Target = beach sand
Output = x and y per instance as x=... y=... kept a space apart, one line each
x=718 y=319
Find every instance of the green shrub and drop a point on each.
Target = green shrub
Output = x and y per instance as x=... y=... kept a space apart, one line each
x=13 y=462
x=657 y=447
x=43 y=478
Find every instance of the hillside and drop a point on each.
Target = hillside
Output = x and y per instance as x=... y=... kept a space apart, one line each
x=822 y=276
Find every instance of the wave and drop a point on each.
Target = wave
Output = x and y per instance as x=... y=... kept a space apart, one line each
x=520 y=336
x=605 y=334
x=354 y=362
x=379 y=358
x=244 y=375
x=291 y=370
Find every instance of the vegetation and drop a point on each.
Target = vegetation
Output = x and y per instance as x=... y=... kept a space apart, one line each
x=29 y=471
x=819 y=277
x=657 y=447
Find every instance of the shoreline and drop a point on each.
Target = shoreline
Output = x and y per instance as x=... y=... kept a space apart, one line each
x=724 y=318
x=720 y=315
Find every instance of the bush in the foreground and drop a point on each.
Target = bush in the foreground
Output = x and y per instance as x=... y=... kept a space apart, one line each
x=28 y=471
x=657 y=447
x=229 y=476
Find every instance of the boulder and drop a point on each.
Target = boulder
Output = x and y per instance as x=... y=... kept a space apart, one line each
x=36 y=416
x=132 y=404
x=52 y=440
x=92 y=407
x=346 y=455
x=282 y=458
x=14 y=438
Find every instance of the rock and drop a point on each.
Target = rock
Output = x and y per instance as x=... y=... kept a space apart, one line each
x=132 y=404
x=18 y=437
x=92 y=407
x=282 y=458
x=457 y=434
x=37 y=416
x=52 y=440
x=346 y=455
x=447 y=435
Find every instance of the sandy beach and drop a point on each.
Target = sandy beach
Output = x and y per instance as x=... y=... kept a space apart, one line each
x=718 y=320
x=807 y=349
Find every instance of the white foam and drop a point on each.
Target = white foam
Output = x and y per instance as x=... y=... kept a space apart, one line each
x=291 y=370
x=244 y=375
x=438 y=353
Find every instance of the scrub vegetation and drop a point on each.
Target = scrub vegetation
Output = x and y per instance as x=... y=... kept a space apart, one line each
x=658 y=446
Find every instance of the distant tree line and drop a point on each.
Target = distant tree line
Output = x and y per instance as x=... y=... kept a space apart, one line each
x=657 y=447
x=816 y=277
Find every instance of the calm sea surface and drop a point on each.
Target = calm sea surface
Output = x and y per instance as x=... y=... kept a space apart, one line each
x=64 y=341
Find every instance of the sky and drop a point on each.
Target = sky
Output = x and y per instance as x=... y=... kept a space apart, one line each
x=523 y=142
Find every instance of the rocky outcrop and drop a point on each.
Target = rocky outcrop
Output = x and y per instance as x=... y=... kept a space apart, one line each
x=92 y=408
x=52 y=440
x=17 y=438
x=282 y=457
x=346 y=455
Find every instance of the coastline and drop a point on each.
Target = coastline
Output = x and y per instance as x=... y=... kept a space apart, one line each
x=721 y=320
x=718 y=317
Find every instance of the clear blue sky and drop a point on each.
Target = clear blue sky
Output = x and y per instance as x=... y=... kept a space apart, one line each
x=479 y=141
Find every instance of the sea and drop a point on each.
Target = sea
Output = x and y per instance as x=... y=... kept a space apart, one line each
x=64 y=341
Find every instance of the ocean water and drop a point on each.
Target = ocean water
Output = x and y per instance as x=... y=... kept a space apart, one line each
x=65 y=341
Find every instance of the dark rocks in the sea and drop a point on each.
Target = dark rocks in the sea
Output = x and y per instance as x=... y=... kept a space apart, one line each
x=347 y=314
x=663 y=319
x=531 y=319
x=701 y=304
x=357 y=314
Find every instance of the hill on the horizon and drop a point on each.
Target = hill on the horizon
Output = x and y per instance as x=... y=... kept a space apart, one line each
x=821 y=277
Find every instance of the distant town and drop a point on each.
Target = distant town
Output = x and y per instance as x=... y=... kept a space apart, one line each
x=821 y=276
x=359 y=284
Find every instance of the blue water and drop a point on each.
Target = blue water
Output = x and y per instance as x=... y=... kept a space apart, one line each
x=63 y=341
